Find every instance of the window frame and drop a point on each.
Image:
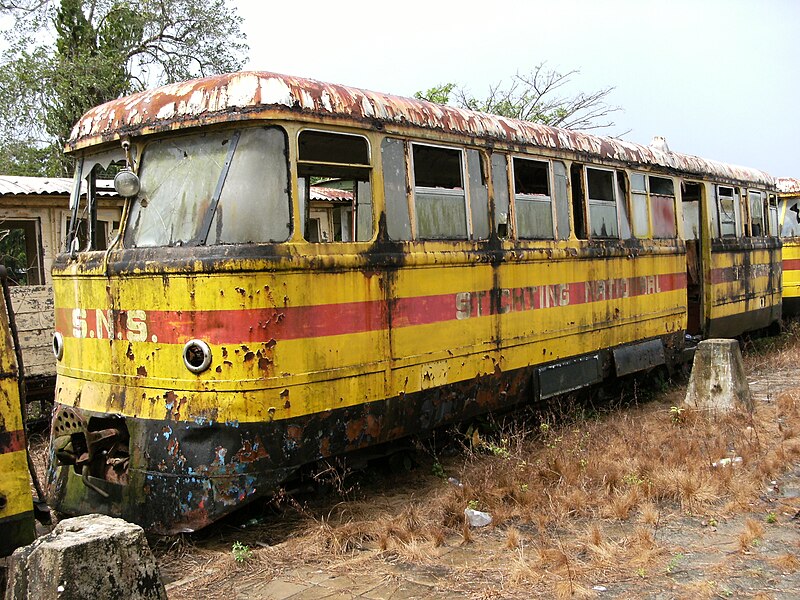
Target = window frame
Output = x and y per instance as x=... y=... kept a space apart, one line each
x=439 y=191
x=592 y=201
x=736 y=218
x=533 y=198
x=305 y=185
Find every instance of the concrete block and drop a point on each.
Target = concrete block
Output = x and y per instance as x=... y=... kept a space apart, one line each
x=93 y=556
x=718 y=382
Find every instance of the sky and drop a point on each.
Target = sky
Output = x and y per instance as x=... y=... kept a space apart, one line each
x=717 y=78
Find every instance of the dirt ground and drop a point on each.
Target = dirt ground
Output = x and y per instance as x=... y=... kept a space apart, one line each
x=725 y=531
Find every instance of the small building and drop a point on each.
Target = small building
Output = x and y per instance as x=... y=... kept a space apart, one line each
x=34 y=219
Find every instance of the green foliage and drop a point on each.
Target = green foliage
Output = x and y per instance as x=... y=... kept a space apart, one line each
x=66 y=56
x=440 y=94
x=533 y=96
x=241 y=552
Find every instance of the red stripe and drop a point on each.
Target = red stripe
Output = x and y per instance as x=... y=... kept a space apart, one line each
x=792 y=264
x=12 y=441
x=266 y=324
x=741 y=272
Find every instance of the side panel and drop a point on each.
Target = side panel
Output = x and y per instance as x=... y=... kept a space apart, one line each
x=744 y=291
x=16 y=503
x=791 y=276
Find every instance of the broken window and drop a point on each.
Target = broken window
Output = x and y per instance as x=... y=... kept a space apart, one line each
x=532 y=200
x=225 y=187
x=772 y=203
x=662 y=206
x=790 y=217
x=691 y=193
x=478 y=195
x=21 y=251
x=578 y=206
x=439 y=198
x=398 y=222
x=601 y=194
x=756 y=202
x=726 y=201
x=253 y=204
x=500 y=190
x=561 y=199
x=334 y=176
x=94 y=176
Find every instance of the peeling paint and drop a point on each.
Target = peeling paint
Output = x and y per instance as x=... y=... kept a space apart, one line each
x=259 y=95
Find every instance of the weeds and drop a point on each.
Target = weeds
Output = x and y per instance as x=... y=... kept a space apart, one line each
x=241 y=552
x=547 y=478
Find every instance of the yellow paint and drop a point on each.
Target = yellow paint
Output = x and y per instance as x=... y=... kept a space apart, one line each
x=148 y=379
x=791 y=277
x=14 y=484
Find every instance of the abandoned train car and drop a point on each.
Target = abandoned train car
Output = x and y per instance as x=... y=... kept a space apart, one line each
x=222 y=342
x=789 y=211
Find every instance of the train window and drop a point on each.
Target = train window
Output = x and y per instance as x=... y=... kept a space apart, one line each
x=662 y=206
x=533 y=207
x=398 y=223
x=622 y=206
x=94 y=176
x=439 y=198
x=727 y=211
x=253 y=205
x=578 y=207
x=500 y=190
x=756 y=204
x=790 y=217
x=478 y=195
x=772 y=203
x=217 y=188
x=179 y=178
x=600 y=185
x=333 y=172
x=641 y=214
x=690 y=198
x=561 y=199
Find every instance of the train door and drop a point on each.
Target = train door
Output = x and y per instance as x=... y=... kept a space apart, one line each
x=691 y=195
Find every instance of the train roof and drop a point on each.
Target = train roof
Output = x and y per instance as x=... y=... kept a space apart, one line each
x=243 y=95
x=788 y=185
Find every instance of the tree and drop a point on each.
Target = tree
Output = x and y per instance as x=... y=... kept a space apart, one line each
x=533 y=96
x=66 y=56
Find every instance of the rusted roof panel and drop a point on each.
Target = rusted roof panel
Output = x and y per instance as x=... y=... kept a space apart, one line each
x=329 y=194
x=788 y=185
x=244 y=94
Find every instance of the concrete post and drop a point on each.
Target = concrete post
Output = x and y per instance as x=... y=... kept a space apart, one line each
x=94 y=556
x=718 y=382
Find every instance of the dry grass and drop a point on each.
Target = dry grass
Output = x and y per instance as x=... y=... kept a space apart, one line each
x=572 y=497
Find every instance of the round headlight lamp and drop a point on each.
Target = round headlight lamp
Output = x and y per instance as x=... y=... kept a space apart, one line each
x=126 y=182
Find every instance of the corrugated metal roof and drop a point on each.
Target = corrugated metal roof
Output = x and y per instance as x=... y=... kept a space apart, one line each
x=788 y=185
x=247 y=95
x=34 y=186
x=329 y=194
x=11 y=185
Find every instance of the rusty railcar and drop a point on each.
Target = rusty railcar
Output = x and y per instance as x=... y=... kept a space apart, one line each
x=221 y=342
x=789 y=215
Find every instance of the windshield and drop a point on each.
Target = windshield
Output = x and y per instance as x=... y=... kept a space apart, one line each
x=223 y=187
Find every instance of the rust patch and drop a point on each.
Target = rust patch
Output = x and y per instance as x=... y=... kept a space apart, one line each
x=251 y=451
x=141 y=371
